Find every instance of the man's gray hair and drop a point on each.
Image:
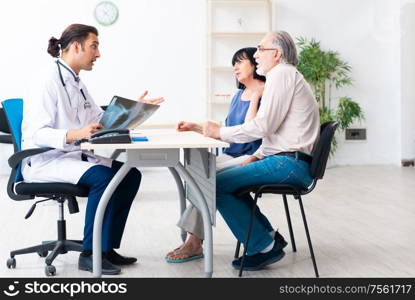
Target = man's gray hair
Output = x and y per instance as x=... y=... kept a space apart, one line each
x=283 y=42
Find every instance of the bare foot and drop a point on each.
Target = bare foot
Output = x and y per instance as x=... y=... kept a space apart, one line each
x=192 y=247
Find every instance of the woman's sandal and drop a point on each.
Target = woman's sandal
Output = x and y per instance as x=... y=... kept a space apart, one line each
x=188 y=256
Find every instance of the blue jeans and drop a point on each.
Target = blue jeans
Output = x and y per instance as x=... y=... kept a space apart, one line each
x=97 y=179
x=237 y=211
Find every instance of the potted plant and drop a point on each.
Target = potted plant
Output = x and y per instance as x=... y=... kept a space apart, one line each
x=325 y=71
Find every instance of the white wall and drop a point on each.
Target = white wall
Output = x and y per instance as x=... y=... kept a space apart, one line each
x=367 y=35
x=408 y=80
x=154 y=45
x=160 y=46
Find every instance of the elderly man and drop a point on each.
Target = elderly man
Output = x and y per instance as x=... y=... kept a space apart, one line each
x=288 y=124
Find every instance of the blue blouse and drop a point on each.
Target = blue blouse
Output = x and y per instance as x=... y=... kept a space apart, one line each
x=236 y=116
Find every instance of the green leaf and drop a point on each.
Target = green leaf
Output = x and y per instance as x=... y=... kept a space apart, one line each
x=324 y=71
x=348 y=111
x=326 y=115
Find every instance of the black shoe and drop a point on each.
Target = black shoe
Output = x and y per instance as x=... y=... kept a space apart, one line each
x=280 y=241
x=259 y=261
x=117 y=259
x=85 y=264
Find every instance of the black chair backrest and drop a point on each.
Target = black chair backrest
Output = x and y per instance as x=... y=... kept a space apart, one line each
x=4 y=126
x=321 y=149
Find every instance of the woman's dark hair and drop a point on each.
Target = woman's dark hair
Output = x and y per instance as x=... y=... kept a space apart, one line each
x=73 y=33
x=246 y=53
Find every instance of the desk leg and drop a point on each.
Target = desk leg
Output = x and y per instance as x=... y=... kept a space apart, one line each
x=116 y=153
x=207 y=223
x=179 y=184
x=99 y=216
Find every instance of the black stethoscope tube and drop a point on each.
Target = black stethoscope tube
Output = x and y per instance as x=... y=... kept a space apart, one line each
x=76 y=78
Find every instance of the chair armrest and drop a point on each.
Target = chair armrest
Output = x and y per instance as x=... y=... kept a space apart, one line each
x=17 y=157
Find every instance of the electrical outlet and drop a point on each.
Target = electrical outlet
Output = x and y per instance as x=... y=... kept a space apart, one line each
x=356 y=134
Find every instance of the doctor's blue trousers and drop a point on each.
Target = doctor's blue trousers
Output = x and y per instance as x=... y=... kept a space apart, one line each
x=97 y=179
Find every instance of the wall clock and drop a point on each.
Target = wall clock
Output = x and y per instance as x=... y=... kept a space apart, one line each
x=106 y=13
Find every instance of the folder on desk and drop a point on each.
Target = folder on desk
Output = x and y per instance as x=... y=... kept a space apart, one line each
x=139 y=139
x=124 y=113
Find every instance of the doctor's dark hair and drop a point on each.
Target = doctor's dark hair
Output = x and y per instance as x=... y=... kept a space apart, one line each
x=73 y=33
x=246 y=53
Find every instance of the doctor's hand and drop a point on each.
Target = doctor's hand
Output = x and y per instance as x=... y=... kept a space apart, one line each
x=83 y=133
x=149 y=101
x=249 y=160
x=211 y=129
x=188 y=126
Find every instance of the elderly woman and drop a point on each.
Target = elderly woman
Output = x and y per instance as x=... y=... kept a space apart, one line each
x=244 y=107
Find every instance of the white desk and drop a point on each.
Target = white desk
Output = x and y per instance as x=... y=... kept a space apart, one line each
x=163 y=150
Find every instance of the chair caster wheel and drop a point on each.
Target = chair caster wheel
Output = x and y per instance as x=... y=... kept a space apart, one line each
x=50 y=270
x=42 y=253
x=11 y=263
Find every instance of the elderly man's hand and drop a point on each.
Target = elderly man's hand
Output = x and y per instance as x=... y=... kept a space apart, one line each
x=150 y=101
x=211 y=129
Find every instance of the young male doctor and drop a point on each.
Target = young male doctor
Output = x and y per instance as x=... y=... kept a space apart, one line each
x=59 y=112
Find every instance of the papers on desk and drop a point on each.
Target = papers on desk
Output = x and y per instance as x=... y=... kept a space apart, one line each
x=137 y=136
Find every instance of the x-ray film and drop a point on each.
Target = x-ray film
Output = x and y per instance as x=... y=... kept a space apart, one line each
x=123 y=113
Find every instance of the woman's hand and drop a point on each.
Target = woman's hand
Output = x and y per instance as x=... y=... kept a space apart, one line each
x=189 y=126
x=257 y=93
x=249 y=160
x=185 y=126
x=150 y=101
x=83 y=133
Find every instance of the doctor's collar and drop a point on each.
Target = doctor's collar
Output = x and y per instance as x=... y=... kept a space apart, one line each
x=62 y=65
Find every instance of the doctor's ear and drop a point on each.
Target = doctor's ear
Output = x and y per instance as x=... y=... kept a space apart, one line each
x=76 y=46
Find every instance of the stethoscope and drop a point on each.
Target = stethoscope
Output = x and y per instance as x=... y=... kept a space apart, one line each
x=87 y=104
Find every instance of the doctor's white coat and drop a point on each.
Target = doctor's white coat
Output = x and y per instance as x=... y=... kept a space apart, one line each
x=48 y=113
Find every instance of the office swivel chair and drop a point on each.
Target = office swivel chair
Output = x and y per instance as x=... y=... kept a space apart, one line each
x=19 y=190
x=4 y=128
x=5 y=137
x=320 y=156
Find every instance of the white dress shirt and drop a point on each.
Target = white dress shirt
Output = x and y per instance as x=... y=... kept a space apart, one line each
x=49 y=111
x=287 y=120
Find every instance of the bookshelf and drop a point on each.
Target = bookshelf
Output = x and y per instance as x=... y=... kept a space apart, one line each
x=231 y=25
